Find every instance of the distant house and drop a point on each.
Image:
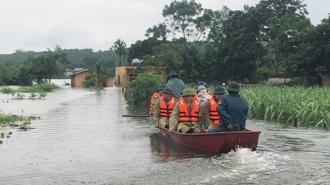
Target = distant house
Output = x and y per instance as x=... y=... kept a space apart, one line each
x=124 y=74
x=279 y=79
x=78 y=75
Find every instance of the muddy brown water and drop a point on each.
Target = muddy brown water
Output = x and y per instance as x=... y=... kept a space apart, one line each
x=82 y=139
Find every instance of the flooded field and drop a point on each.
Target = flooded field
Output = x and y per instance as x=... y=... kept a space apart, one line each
x=82 y=139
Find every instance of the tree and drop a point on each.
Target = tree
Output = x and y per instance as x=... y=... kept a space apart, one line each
x=181 y=17
x=315 y=52
x=142 y=48
x=159 y=31
x=45 y=66
x=120 y=49
x=98 y=78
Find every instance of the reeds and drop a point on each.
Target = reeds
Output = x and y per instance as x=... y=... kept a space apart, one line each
x=290 y=105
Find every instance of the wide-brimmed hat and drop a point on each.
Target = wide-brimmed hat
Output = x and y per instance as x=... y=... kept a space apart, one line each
x=161 y=87
x=219 y=90
x=233 y=86
x=188 y=92
x=167 y=91
x=172 y=74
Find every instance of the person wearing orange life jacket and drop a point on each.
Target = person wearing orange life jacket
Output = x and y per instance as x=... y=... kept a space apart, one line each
x=218 y=94
x=185 y=115
x=165 y=107
x=153 y=100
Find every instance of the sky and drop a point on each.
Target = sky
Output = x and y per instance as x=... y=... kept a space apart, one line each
x=41 y=24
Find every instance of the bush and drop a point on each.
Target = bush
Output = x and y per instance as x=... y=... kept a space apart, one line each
x=89 y=82
x=138 y=91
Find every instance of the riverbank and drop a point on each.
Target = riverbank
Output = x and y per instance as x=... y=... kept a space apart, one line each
x=297 y=106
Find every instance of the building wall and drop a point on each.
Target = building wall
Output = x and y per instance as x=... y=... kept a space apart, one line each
x=77 y=80
x=110 y=82
x=126 y=73
x=120 y=76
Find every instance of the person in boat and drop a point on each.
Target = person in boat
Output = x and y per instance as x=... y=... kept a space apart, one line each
x=232 y=109
x=204 y=84
x=153 y=100
x=165 y=107
x=203 y=99
x=212 y=104
x=175 y=84
x=184 y=117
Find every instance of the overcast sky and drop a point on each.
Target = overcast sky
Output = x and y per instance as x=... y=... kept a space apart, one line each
x=96 y=24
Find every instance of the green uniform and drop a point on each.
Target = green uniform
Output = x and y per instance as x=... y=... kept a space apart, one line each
x=183 y=127
x=155 y=113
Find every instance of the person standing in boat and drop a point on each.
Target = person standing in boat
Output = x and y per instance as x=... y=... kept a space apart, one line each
x=203 y=100
x=233 y=110
x=165 y=106
x=184 y=117
x=153 y=100
x=175 y=84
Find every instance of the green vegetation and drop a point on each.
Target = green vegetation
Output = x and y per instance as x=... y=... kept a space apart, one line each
x=274 y=37
x=24 y=67
x=120 y=49
x=290 y=105
x=271 y=38
x=141 y=88
x=98 y=78
x=37 y=88
x=6 y=119
x=7 y=90
x=45 y=87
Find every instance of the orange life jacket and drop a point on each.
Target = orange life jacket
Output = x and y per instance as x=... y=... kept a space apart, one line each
x=214 y=116
x=156 y=95
x=166 y=109
x=184 y=114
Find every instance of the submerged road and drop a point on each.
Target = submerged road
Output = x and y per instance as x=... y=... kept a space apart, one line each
x=85 y=140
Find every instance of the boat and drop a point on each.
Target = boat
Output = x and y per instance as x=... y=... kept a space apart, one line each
x=215 y=143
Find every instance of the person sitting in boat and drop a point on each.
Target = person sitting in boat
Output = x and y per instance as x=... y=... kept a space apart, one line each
x=154 y=98
x=233 y=110
x=210 y=117
x=184 y=117
x=165 y=107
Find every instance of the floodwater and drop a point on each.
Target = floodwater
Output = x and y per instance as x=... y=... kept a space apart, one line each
x=82 y=139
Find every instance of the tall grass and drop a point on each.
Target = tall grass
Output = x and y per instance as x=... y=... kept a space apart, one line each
x=9 y=118
x=290 y=105
x=37 y=88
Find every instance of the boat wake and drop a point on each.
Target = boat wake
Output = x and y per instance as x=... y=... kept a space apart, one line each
x=246 y=165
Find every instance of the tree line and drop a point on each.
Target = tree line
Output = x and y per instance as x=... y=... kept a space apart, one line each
x=25 y=67
x=274 y=37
